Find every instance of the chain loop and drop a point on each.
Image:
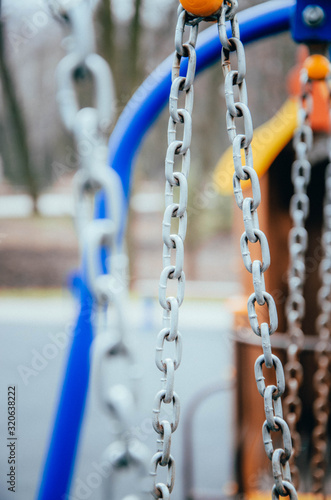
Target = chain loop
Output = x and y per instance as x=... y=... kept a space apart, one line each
x=171 y=212
x=228 y=13
x=242 y=112
x=176 y=88
x=237 y=145
x=251 y=220
x=280 y=377
x=286 y=435
x=161 y=395
x=290 y=491
x=231 y=80
x=67 y=97
x=262 y=239
x=281 y=471
x=251 y=175
x=163 y=336
x=166 y=442
x=258 y=282
x=160 y=488
x=272 y=406
x=273 y=317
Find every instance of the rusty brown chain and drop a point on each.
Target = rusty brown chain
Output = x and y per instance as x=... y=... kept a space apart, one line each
x=321 y=380
x=235 y=84
x=298 y=243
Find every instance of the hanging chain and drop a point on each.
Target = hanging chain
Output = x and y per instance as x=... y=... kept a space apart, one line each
x=100 y=237
x=298 y=243
x=235 y=85
x=89 y=125
x=321 y=380
x=175 y=219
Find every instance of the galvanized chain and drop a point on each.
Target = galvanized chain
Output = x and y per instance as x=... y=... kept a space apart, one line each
x=298 y=243
x=321 y=380
x=173 y=234
x=89 y=125
x=235 y=85
x=100 y=238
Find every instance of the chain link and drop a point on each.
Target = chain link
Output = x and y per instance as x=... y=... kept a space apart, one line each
x=167 y=401
x=111 y=347
x=298 y=243
x=238 y=110
x=321 y=379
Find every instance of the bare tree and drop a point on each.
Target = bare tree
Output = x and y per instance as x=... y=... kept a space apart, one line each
x=14 y=144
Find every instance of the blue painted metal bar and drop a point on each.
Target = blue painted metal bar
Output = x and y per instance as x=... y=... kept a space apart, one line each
x=318 y=30
x=142 y=110
x=60 y=461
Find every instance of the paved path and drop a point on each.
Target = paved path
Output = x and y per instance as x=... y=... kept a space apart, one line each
x=28 y=326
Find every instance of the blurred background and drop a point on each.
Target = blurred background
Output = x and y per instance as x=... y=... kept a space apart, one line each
x=38 y=245
x=38 y=158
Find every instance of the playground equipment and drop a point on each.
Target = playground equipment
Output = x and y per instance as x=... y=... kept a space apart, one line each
x=102 y=240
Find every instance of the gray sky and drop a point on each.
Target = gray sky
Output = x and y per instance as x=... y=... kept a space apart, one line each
x=153 y=10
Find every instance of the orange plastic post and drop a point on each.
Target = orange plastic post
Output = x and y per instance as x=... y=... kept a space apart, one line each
x=317 y=66
x=202 y=8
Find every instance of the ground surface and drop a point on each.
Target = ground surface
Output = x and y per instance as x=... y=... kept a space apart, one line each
x=28 y=325
x=36 y=252
x=36 y=256
x=42 y=251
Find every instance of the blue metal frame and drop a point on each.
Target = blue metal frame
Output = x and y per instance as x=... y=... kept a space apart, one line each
x=302 y=33
x=139 y=115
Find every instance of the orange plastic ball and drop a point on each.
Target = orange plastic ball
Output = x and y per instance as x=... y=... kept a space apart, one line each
x=201 y=8
x=317 y=66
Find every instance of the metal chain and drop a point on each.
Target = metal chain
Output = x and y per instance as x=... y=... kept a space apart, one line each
x=238 y=109
x=173 y=235
x=89 y=125
x=321 y=380
x=100 y=238
x=298 y=243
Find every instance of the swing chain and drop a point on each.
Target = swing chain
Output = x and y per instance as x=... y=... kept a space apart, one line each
x=173 y=234
x=321 y=380
x=244 y=171
x=298 y=243
x=88 y=125
x=99 y=238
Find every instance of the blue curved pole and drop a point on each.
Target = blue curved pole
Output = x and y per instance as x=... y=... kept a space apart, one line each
x=140 y=113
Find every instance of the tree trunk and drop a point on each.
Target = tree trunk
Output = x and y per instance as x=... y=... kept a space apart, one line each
x=134 y=46
x=106 y=33
x=14 y=117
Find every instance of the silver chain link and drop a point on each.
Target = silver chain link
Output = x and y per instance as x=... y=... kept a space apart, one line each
x=100 y=238
x=298 y=243
x=321 y=380
x=175 y=215
x=238 y=109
